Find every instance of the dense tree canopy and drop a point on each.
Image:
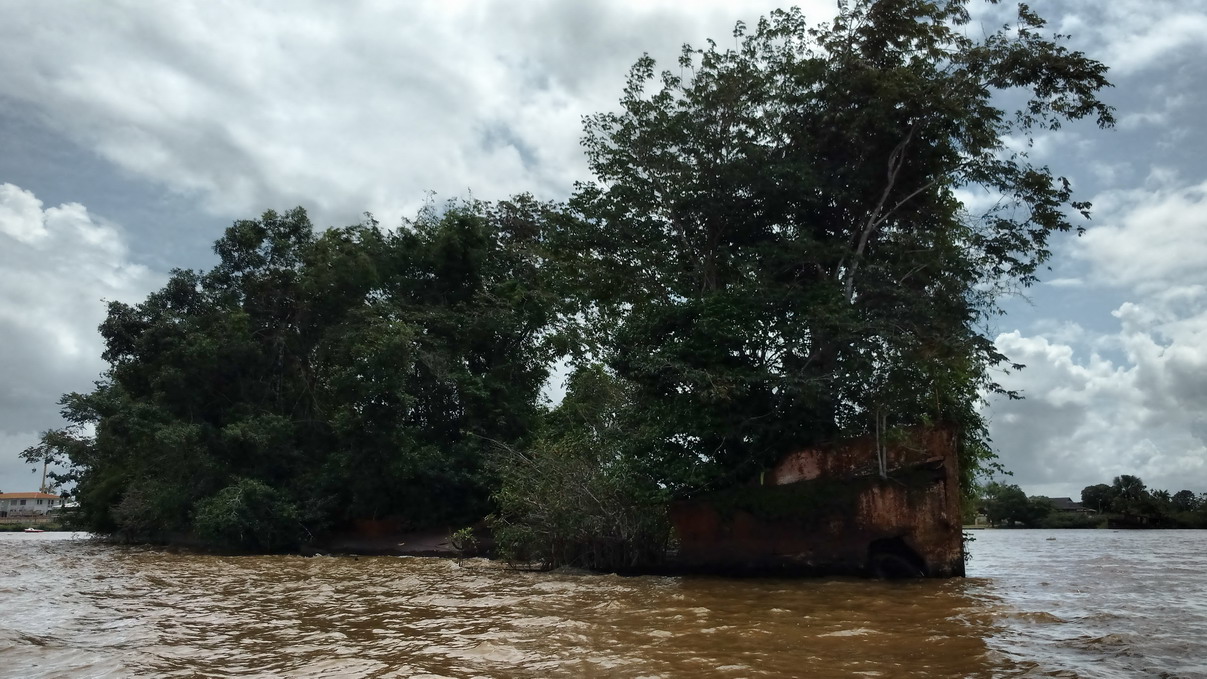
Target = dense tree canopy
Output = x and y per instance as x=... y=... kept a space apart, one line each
x=776 y=236
x=1097 y=497
x=312 y=379
x=1007 y=505
x=772 y=254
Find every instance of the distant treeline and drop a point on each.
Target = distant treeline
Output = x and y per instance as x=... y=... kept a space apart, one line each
x=1126 y=502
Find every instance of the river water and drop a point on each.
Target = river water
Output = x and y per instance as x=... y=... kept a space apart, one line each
x=1035 y=604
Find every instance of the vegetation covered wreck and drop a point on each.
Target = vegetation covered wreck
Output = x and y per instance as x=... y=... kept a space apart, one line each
x=772 y=255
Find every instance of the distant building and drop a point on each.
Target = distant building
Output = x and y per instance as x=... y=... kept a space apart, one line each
x=28 y=504
x=1066 y=504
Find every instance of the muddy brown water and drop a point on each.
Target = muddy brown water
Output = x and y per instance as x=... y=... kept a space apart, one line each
x=1036 y=604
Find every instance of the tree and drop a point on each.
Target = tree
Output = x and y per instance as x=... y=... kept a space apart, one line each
x=772 y=255
x=1184 y=501
x=1008 y=505
x=1162 y=501
x=1129 y=496
x=1039 y=508
x=579 y=495
x=774 y=244
x=309 y=380
x=1097 y=497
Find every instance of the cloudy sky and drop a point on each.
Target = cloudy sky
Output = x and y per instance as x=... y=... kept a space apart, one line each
x=132 y=133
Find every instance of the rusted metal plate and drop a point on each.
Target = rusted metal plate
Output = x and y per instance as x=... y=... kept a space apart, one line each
x=827 y=510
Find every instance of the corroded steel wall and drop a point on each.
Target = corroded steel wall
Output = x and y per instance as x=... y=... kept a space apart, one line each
x=827 y=510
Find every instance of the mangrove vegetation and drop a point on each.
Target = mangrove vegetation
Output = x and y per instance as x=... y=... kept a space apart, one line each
x=771 y=253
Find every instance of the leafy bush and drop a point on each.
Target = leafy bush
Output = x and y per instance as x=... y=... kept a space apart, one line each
x=151 y=510
x=578 y=497
x=249 y=515
x=567 y=505
x=465 y=541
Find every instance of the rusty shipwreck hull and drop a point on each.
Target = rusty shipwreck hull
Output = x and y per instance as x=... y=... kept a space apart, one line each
x=829 y=511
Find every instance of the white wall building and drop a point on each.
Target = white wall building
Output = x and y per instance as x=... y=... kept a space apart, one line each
x=28 y=504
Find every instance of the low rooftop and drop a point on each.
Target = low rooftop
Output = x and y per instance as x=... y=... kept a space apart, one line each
x=1066 y=504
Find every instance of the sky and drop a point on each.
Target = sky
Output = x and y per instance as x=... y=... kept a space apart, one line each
x=133 y=132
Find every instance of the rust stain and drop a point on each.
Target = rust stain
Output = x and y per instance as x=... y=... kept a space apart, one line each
x=826 y=510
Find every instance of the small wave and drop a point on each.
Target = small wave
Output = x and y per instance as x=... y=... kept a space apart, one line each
x=492 y=652
x=1041 y=617
x=1105 y=640
x=856 y=632
x=1118 y=645
x=1100 y=616
x=34 y=639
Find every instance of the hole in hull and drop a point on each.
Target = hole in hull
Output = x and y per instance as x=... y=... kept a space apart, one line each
x=891 y=558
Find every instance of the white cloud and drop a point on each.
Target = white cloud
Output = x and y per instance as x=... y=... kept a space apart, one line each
x=1149 y=36
x=342 y=108
x=1087 y=418
x=1065 y=282
x=21 y=217
x=57 y=264
x=1130 y=35
x=1151 y=237
x=1039 y=146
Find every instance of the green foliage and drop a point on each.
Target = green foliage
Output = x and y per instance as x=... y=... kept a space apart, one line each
x=355 y=373
x=19 y=527
x=1130 y=496
x=773 y=243
x=581 y=495
x=464 y=540
x=1096 y=497
x=1126 y=502
x=248 y=515
x=1007 y=505
x=1185 y=501
x=771 y=255
x=1131 y=503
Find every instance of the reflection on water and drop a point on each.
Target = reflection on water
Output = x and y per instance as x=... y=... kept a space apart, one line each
x=1087 y=604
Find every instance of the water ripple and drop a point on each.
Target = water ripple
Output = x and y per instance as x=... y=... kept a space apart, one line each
x=1090 y=604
